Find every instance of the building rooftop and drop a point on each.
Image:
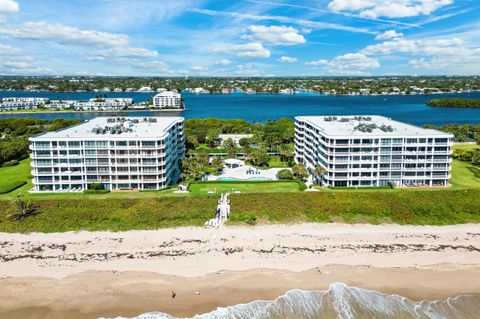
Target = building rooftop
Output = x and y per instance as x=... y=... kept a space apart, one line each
x=116 y=127
x=362 y=125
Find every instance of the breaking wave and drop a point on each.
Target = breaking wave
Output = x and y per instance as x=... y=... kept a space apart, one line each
x=343 y=302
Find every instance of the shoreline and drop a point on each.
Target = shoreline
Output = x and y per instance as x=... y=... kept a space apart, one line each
x=93 y=112
x=82 y=275
x=128 y=294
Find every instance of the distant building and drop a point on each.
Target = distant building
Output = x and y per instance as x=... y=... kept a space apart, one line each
x=145 y=89
x=120 y=153
x=167 y=99
x=372 y=151
x=21 y=103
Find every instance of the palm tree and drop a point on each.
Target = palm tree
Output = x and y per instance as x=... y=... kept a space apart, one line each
x=300 y=171
x=22 y=209
x=319 y=171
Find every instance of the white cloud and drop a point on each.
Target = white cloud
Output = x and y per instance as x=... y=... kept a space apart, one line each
x=125 y=52
x=389 y=34
x=419 y=46
x=62 y=34
x=199 y=68
x=350 y=63
x=388 y=8
x=317 y=62
x=223 y=62
x=7 y=7
x=248 y=69
x=275 y=35
x=283 y=19
x=287 y=59
x=7 y=50
x=248 y=50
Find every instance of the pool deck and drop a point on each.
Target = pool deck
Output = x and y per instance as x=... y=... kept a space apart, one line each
x=240 y=173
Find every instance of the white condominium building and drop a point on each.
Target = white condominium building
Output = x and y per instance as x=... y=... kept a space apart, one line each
x=167 y=99
x=120 y=153
x=372 y=151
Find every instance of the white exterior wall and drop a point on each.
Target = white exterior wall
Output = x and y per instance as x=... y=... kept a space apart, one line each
x=167 y=99
x=374 y=160
x=71 y=164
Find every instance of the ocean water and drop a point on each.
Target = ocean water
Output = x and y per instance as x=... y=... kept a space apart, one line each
x=263 y=107
x=343 y=302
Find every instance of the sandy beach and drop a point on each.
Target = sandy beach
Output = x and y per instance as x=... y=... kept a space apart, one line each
x=91 y=274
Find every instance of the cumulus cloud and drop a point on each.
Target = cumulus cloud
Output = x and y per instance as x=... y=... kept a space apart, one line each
x=389 y=34
x=124 y=52
x=275 y=35
x=7 y=50
x=287 y=59
x=199 y=68
x=350 y=63
x=419 y=46
x=388 y=8
x=7 y=7
x=223 y=62
x=248 y=50
x=248 y=69
x=62 y=34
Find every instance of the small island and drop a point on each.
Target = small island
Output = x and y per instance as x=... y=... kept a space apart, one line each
x=455 y=102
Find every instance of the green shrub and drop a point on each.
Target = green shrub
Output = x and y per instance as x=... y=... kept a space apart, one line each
x=8 y=187
x=391 y=184
x=96 y=191
x=285 y=174
x=10 y=163
x=96 y=186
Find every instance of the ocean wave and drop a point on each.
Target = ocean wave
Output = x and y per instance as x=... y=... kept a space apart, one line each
x=342 y=302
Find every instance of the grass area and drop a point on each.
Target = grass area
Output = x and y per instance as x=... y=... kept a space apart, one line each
x=120 y=214
x=110 y=214
x=202 y=189
x=275 y=162
x=463 y=175
x=418 y=208
x=14 y=177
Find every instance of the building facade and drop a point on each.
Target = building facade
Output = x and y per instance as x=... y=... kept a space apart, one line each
x=372 y=151
x=120 y=153
x=167 y=99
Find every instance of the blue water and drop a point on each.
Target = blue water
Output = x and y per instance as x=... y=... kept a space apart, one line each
x=262 y=107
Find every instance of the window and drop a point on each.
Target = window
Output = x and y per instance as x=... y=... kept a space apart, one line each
x=102 y=144
x=397 y=141
x=386 y=141
x=90 y=144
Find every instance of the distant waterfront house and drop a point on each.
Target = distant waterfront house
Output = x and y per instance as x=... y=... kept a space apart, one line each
x=235 y=138
x=167 y=99
x=21 y=103
x=372 y=151
x=120 y=153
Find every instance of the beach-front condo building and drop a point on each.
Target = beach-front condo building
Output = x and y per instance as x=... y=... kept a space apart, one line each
x=167 y=99
x=120 y=153
x=359 y=151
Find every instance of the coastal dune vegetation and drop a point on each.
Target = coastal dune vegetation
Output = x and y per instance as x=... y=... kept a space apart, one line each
x=120 y=214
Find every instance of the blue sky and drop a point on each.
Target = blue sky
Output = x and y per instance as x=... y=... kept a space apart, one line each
x=239 y=38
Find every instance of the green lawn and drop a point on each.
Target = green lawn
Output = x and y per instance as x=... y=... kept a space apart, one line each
x=275 y=162
x=463 y=177
x=14 y=176
x=202 y=189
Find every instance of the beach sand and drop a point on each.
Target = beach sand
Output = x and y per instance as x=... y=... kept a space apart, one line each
x=92 y=274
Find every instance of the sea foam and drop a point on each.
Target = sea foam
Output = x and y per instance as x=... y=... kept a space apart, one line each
x=342 y=302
